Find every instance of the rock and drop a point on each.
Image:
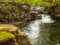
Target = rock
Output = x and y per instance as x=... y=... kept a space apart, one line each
x=54 y=11
x=23 y=39
x=34 y=15
x=40 y=10
x=10 y=35
x=9 y=28
x=24 y=7
x=57 y=12
x=10 y=39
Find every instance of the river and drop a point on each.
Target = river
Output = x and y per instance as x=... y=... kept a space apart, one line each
x=39 y=31
x=44 y=31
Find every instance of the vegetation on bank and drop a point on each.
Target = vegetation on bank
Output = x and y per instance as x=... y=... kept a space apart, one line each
x=11 y=10
x=34 y=2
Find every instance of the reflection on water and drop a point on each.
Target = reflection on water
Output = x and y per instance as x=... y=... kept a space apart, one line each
x=39 y=30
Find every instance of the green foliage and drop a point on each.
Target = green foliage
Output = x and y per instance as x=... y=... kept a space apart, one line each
x=6 y=9
x=37 y=2
x=33 y=2
x=9 y=8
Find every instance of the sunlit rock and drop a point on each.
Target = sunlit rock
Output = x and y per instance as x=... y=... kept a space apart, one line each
x=9 y=27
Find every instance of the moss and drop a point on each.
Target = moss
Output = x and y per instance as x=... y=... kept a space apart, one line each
x=4 y=36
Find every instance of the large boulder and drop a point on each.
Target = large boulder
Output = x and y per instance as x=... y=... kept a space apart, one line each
x=11 y=35
x=23 y=39
x=10 y=28
x=7 y=38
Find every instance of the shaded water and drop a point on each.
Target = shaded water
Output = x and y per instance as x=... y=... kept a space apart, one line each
x=38 y=30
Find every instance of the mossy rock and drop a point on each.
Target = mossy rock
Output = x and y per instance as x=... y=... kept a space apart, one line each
x=8 y=38
x=5 y=36
x=8 y=27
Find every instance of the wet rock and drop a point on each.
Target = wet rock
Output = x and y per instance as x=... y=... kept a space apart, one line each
x=40 y=10
x=23 y=39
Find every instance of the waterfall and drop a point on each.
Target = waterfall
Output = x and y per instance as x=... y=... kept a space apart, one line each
x=33 y=31
x=47 y=19
x=36 y=28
